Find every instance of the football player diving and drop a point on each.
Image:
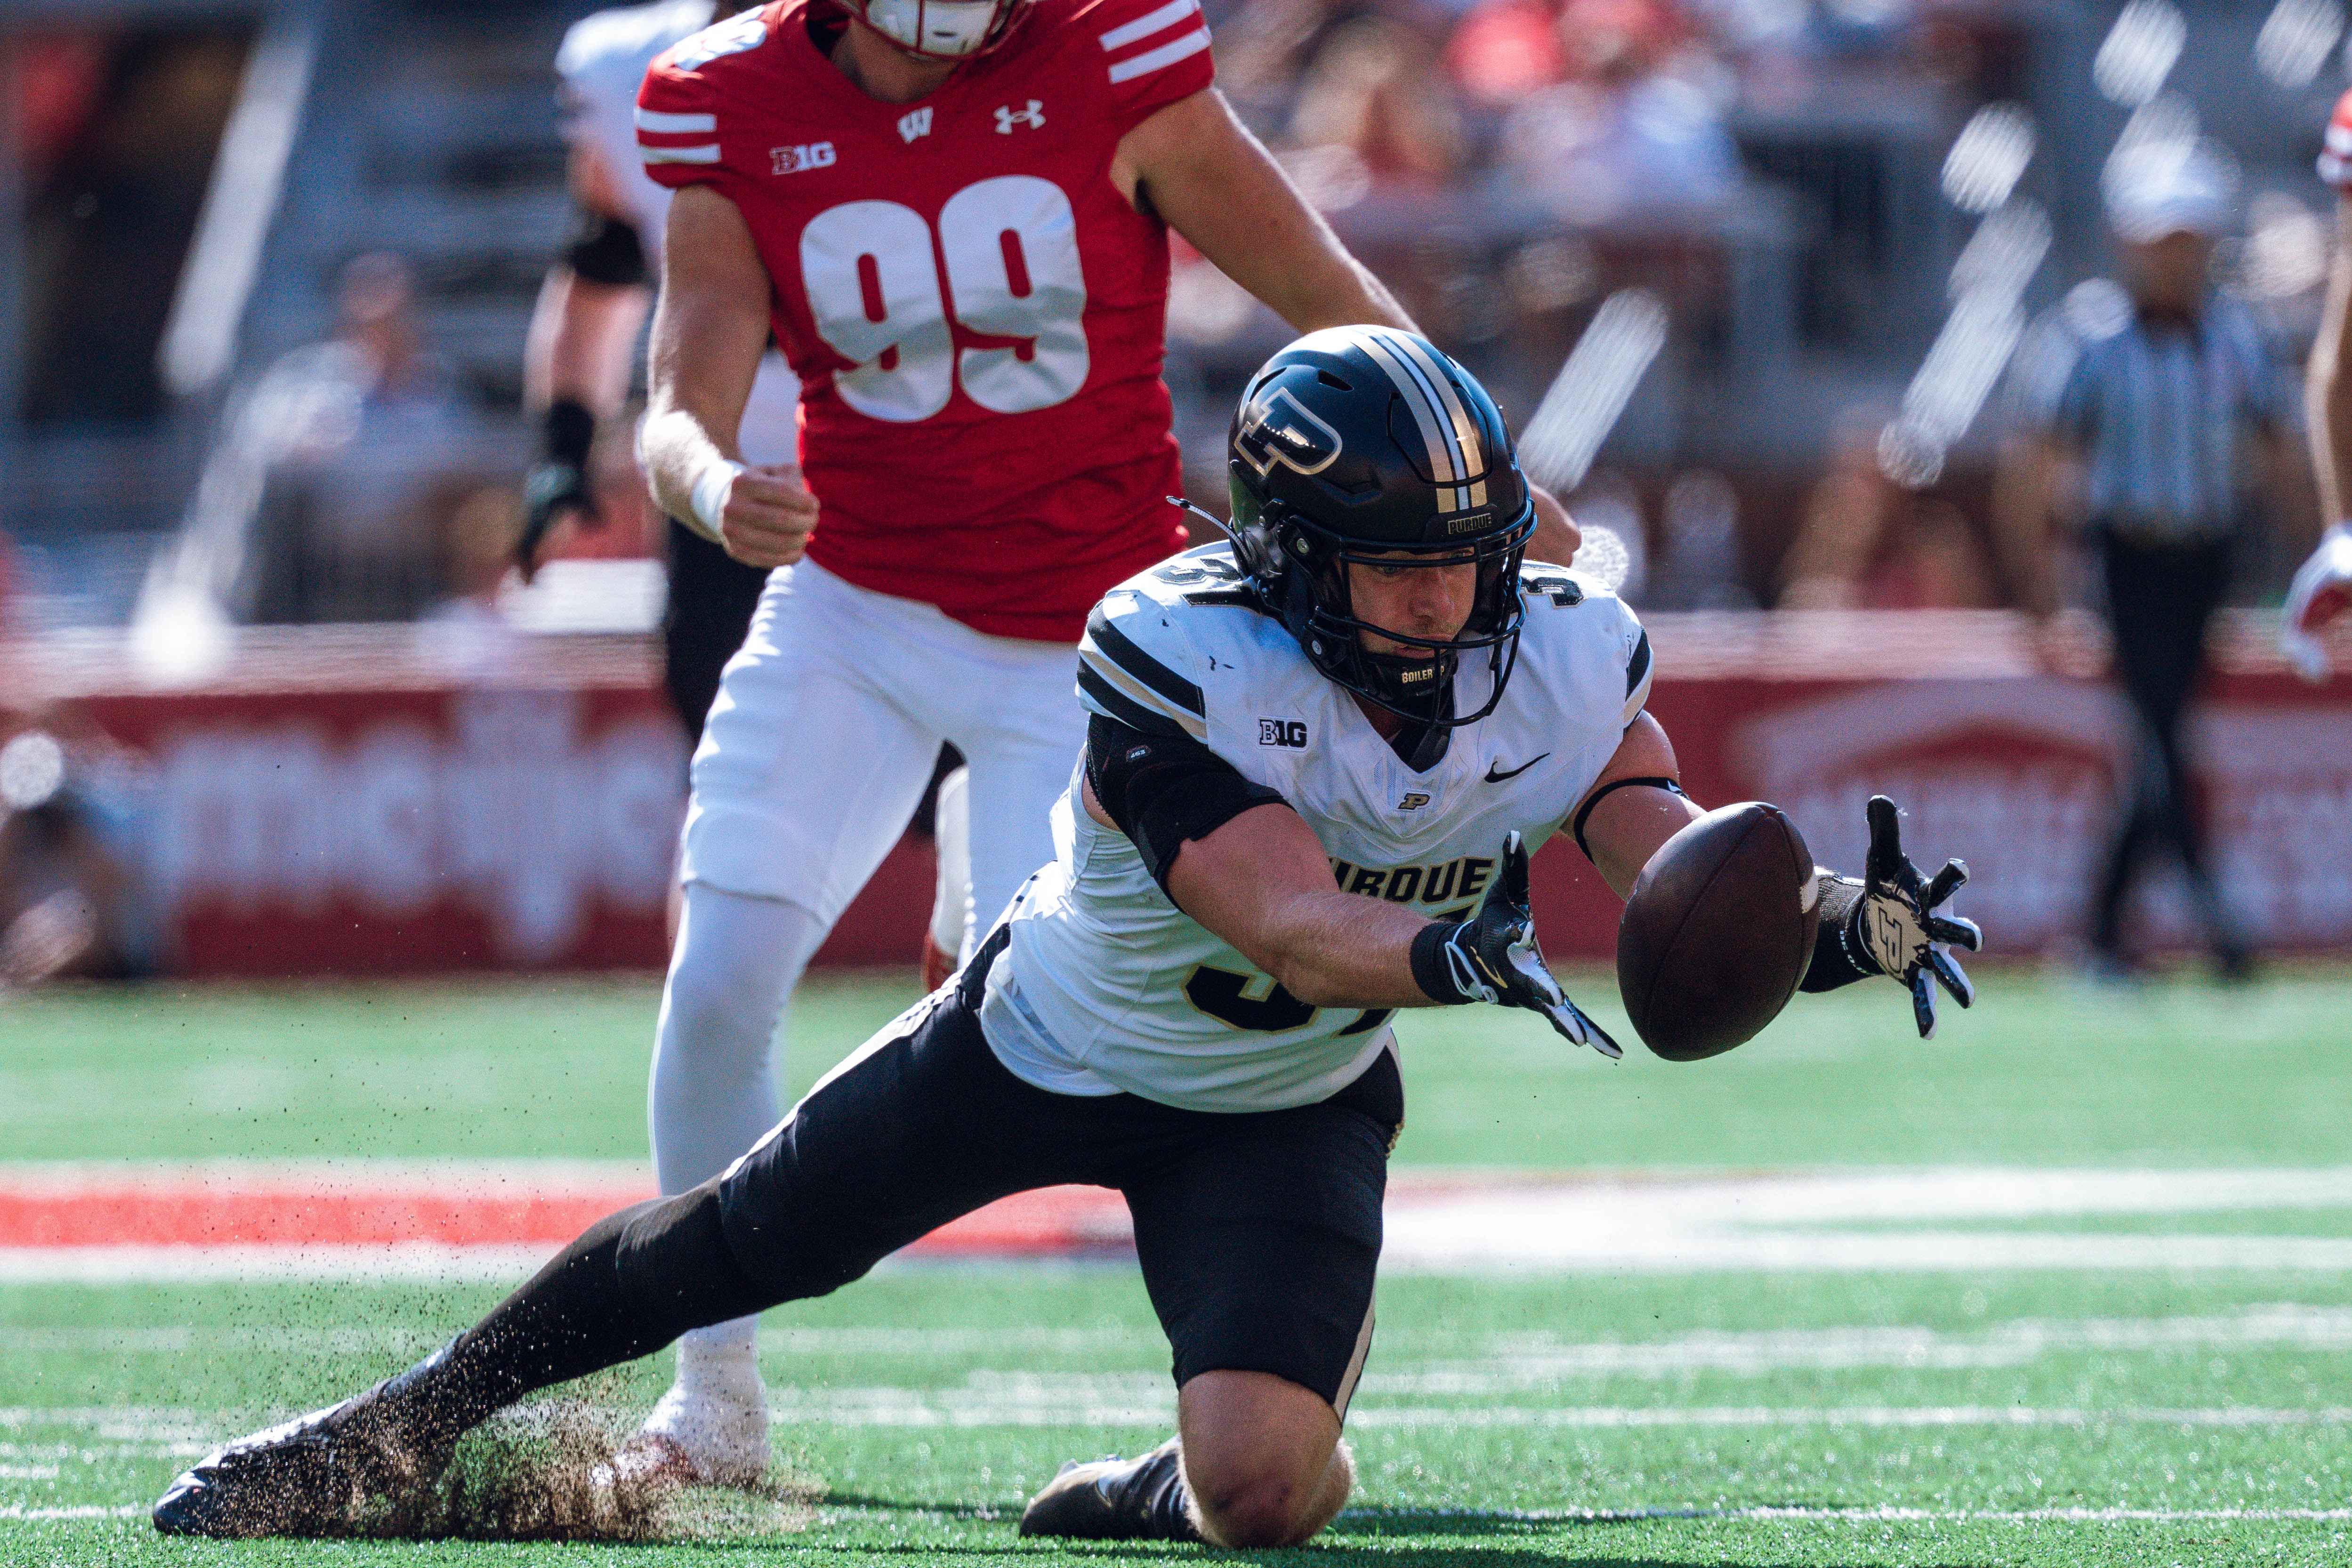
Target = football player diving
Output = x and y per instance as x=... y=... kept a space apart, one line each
x=953 y=219
x=1314 y=758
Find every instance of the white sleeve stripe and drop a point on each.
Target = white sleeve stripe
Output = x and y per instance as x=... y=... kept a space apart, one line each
x=1191 y=43
x=675 y=124
x=2340 y=139
x=709 y=154
x=1639 y=697
x=1107 y=670
x=1143 y=27
x=2332 y=168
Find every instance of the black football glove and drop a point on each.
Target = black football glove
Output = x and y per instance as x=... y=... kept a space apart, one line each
x=549 y=491
x=1896 y=924
x=558 y=482
x=1492 y=956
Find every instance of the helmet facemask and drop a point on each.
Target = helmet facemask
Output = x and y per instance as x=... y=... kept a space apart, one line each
x=941 y=30
x=1320 y=606
x=1365 y=445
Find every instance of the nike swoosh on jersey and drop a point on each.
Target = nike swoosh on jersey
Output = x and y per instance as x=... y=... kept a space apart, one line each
x=1495 y=777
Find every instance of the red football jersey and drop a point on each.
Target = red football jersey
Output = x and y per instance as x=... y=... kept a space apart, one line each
x=2336 y=151
x=976 y=314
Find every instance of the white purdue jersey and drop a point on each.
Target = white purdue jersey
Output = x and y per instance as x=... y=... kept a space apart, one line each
x=1108 y=987
x=602 y=62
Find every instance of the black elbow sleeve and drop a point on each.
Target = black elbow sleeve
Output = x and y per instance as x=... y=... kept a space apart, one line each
x=1164 y=789
x=606 y=250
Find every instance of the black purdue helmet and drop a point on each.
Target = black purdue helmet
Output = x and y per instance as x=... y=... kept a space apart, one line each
x=1355 y=442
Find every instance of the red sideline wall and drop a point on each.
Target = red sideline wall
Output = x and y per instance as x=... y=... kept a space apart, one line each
x=361 y=801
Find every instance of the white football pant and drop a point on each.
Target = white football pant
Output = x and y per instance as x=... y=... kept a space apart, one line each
x=821 y=742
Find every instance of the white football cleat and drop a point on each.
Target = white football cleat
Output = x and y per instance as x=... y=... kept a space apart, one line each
x=709 y=1429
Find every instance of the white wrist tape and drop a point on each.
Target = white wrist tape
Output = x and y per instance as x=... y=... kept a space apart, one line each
x=708 y=500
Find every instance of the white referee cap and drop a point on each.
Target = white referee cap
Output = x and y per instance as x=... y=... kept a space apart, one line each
x=2188 y=186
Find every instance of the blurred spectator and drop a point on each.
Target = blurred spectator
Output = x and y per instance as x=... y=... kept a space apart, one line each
x=1374 y=89
x=1266 y=49
x=2322 y=589
x=1698 y=565
x=1609 y=112
x=1867 y=543
x=7 y=586
x=1506 y=50
x=1352 y=92
x=68 y=902
x=2145 y=415
x=331 y=493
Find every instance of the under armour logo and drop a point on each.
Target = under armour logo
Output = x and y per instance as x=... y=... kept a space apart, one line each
x=1032 y=116
x=917 y=124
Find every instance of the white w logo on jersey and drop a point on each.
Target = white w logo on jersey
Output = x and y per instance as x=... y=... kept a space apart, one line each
x=917 y=124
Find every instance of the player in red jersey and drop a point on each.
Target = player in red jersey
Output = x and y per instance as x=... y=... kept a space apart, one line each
x=2323 y=588
x=952 y=217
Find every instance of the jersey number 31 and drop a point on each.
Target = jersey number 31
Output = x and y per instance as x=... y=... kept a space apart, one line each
x=1009 y=246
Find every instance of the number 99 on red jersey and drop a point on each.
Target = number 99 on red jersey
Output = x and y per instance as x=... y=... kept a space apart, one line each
x=975 y=311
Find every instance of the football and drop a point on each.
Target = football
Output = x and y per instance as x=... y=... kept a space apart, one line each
x=1717 y=932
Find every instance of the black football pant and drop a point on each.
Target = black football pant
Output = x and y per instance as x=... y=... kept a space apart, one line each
x=2160 y=599
x=1258 y=1233
x=712 y=597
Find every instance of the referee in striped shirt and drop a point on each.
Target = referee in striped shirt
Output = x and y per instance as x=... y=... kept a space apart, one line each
x=2150 y=413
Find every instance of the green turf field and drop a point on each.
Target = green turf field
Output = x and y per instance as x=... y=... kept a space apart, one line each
x=2041 y=1071
x=1818 y=1416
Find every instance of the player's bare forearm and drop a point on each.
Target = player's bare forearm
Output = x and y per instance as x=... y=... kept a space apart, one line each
x=1261 y=882
x=582 y=342
x=2327 y=393
x=710 y=329
x=1201 y=169
x=1556 y=538
x=1628 y=824
x=2288 y=485
x=2026 y=504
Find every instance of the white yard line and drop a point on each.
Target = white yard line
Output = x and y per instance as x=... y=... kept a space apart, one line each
x=88 y=1510
x=407 y=1262
x=1504 y=1246
x=1866 y=1415
x=1949 y=1219
x=1406 y=1364
x=1884 y=1515
x=1888 y=1514
x=172 y=1434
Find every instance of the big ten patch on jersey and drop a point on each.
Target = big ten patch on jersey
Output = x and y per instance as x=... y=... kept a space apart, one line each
x=956 y=265
x=1449 y=889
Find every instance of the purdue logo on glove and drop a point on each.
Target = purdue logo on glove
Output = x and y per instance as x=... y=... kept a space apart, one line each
x=1492 y=957
x=1896 y=924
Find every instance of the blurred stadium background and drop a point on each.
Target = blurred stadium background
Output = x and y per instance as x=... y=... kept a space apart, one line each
x=301 y=724
x=2065 y=1287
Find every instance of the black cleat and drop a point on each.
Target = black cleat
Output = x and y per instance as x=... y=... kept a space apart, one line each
x=1116 y=1500
x=349 y=1469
